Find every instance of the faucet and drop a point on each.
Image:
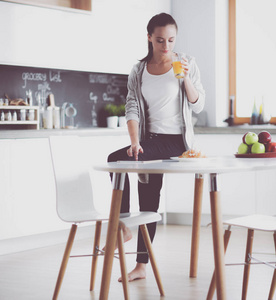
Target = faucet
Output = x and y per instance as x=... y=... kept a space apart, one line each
x=62 y=115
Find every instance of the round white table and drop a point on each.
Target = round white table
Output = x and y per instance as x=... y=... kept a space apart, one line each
x=213 y=166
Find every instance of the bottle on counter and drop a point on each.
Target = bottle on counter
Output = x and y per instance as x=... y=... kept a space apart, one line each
x=56 y=117
x=29 y=96
x=264 y=116
x=8 y=116
x=261 y=116
x=14 y=116
x=23 y=114
x=254 y=116
x=31 y=115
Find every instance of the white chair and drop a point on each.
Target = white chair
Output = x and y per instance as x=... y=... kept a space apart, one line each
x=251 y=223
x=74 y=201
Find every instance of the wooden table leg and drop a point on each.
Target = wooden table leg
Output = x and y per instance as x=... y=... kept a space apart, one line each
x=111 y=237
x=198 y=191
x=218 y=244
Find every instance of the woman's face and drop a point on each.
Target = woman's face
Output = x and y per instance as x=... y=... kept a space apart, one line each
x=163 y=40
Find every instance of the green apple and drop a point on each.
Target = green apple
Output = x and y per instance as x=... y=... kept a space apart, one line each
x=258 y=148
x=243 y=149
x=251 y=138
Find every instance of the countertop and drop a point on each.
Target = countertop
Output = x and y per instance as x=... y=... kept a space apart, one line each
x=93 y=131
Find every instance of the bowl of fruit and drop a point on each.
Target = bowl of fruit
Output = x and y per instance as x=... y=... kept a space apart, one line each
x=256 y=145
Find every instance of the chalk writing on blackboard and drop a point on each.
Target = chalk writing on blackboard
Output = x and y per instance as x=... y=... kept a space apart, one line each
x=26 y=76
x=55 y=76
x=107 y=98
x=112 y=90
x=92 y=97
x=44 y=90
x=99 y=78
x=94 y=116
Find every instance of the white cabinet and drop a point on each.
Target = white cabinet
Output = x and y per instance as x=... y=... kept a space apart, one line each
x=241 y=193
x=27 y=202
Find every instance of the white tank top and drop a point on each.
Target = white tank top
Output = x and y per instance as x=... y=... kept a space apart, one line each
x=161 y=95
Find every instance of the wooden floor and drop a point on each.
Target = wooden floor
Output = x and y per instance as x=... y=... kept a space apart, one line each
x=32 y=274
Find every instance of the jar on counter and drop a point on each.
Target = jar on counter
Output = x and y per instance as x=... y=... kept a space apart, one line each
x=8 y=116
x=31 y=115
x=23 y=114
x=56 y=117
x=2 y=116
x=14 y=116
x=48 y=118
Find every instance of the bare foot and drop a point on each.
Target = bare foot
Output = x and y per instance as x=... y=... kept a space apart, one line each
x=127 y=235
x=139 y=272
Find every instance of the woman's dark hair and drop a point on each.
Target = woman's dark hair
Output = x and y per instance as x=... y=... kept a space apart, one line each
x=159 y=20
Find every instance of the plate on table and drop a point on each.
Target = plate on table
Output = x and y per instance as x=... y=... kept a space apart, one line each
x=192 y=159
x=257 y=155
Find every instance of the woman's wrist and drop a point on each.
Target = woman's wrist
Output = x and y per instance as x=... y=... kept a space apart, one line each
x=192 y=93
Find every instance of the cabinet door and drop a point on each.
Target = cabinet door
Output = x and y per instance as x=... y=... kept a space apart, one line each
x=6 y=205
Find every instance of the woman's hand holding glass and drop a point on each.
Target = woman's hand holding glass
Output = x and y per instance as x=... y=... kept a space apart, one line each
x=180 y=66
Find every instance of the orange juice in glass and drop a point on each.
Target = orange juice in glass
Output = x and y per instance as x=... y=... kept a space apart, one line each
x=177 y=67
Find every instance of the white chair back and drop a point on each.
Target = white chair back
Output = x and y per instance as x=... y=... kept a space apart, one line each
x=73 y=184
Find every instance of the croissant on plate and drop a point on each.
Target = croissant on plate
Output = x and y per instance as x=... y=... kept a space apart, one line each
x=192 y=153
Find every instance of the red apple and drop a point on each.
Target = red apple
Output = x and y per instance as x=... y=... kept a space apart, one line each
x=243 y=138
x=264 y=137
x=270 y=147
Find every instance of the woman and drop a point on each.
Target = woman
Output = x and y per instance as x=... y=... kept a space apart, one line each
x=159 y=118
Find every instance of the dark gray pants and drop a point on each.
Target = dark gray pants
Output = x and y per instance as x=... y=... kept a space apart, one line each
x=156 y=146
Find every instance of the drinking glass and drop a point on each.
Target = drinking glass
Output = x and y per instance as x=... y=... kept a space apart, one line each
x=177 y=67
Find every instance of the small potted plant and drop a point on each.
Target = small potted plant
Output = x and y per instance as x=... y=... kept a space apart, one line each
x=111 y=115
x=121 y=115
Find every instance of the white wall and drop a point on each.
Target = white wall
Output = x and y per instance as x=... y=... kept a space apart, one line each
x=203 y=33
x=110 y=39
x=113 y=37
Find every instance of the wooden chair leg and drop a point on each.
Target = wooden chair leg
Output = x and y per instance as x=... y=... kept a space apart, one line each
x=273 y=283
x=65 y=259
x=212 y=286
x=148 y=244
x=249 y=244
x=122 y=259
x=97 y=238
x=198 y=191
x=272 y=287
x=111 y=238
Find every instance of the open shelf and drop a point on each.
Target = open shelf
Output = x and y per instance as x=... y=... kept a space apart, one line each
x=69 y=5
x=20 y=124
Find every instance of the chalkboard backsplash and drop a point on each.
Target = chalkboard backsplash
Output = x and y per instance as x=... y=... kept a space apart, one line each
x=88 y=92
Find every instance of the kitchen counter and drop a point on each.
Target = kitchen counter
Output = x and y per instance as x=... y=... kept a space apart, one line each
x=43 y=133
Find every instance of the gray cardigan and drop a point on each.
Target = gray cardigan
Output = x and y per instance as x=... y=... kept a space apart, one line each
x=136 y=107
